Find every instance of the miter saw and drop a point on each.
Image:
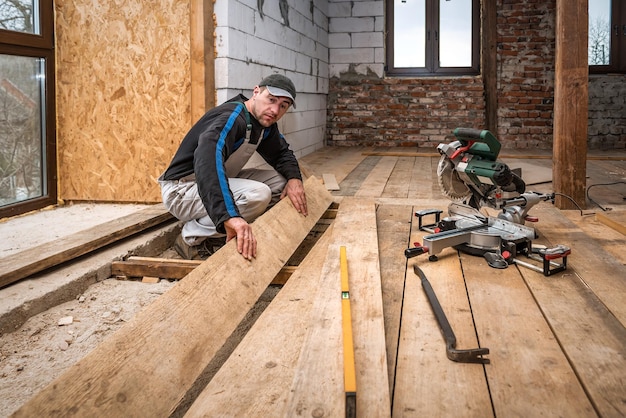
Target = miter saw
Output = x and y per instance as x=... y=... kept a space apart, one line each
x=470 y=175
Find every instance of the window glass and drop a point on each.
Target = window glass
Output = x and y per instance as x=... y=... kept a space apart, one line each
x=20 y=16
x=599 y=32
x=409 y=33
x=455 y=32
x=22 y=122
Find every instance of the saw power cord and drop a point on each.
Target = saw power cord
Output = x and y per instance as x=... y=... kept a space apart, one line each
x=602 y=184
x=574 y=202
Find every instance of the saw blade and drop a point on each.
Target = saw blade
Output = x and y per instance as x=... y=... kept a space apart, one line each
x=450 y=183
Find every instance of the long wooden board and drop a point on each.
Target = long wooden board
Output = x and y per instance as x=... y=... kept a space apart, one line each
x=591 y=336
x=394 y=230
x=23 y=264
x=254 y=382
x=527 y=362
x=146 y=367
x=427 y=382
x=317 y=388
x=601 y=272
x=375 y=182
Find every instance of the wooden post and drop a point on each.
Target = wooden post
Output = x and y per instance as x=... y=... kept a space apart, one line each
x=571 y=102
x=489 y=65
x=202 y=58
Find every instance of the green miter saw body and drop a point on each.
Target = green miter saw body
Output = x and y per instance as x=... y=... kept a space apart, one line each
x=469 y=171
x=470 y=175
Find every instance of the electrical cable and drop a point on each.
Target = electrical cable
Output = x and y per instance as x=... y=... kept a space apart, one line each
x=573 y=201
x=602 y=184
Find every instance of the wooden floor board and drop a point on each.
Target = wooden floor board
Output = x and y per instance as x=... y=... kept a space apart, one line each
x=353 y=181
x=262 y=376
x=601 y=271
x=149 y=377
x=394 y=230
x=320 y=367
x=526 y=359
x=36 y=259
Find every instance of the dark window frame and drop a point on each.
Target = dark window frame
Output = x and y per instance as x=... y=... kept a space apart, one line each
x=432 y=67
x=618 y=42
x=38 y=46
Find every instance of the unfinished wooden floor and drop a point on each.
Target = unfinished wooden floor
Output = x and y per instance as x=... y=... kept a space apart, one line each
x=557 y=344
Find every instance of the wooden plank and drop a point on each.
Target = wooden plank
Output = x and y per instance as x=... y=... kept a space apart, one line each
x=352 y=183
x=376 y=180
x=394 y=230
x=422 y=174
x=614 y=220
x=591 y=337
x=254 y=382
x=529 y=374
x=330 y=181
x=23 y=264
x=427 y=382
x=611 y=240
x=318 y=384
x=163 y=349
x=601 y=272
x=400 y=179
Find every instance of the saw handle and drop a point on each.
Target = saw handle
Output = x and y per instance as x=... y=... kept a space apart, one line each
x=484 y=144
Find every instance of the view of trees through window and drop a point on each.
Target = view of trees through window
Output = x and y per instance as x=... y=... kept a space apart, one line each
x=599 y=32
x=22 y=111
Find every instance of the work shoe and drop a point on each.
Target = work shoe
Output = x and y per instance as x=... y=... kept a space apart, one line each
x=201 y=251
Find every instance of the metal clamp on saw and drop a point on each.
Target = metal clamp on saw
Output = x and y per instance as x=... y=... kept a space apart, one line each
x=470 y=175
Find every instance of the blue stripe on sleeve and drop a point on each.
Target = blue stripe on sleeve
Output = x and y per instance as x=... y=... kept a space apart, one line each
x=231 y=208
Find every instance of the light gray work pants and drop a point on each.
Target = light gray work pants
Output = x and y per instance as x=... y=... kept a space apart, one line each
x=254 y=190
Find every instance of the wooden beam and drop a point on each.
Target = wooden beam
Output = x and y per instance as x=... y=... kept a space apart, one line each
x=147 y=366
x=489 y=63
x=25 y=263
x=170 y=268
x=571 y=102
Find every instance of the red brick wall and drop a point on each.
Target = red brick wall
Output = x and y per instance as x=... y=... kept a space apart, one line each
x=401 y=112
x=367 y=110
x=525 y=66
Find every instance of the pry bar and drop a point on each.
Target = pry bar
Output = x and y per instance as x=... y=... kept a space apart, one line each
x=472 y=355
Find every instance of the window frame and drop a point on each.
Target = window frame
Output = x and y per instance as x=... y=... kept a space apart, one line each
x=38 y=46
x=432 y=67
x=617 y=51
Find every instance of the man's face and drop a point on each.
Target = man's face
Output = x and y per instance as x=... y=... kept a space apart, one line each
x=268 y=109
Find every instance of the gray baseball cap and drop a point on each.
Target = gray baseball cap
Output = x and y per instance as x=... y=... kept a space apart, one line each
x=280 y=86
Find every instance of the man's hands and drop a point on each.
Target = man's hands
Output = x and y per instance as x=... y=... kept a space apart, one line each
x=294 y=189
x=240 y=229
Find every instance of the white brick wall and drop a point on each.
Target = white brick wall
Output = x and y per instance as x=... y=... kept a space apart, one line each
x=356 y=38
x=324 y=38
x=250 y=47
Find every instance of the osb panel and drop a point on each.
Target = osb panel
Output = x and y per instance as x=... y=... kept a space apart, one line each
x=123 y=95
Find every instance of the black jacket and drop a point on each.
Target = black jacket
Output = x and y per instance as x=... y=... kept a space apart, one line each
x=209 y=144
